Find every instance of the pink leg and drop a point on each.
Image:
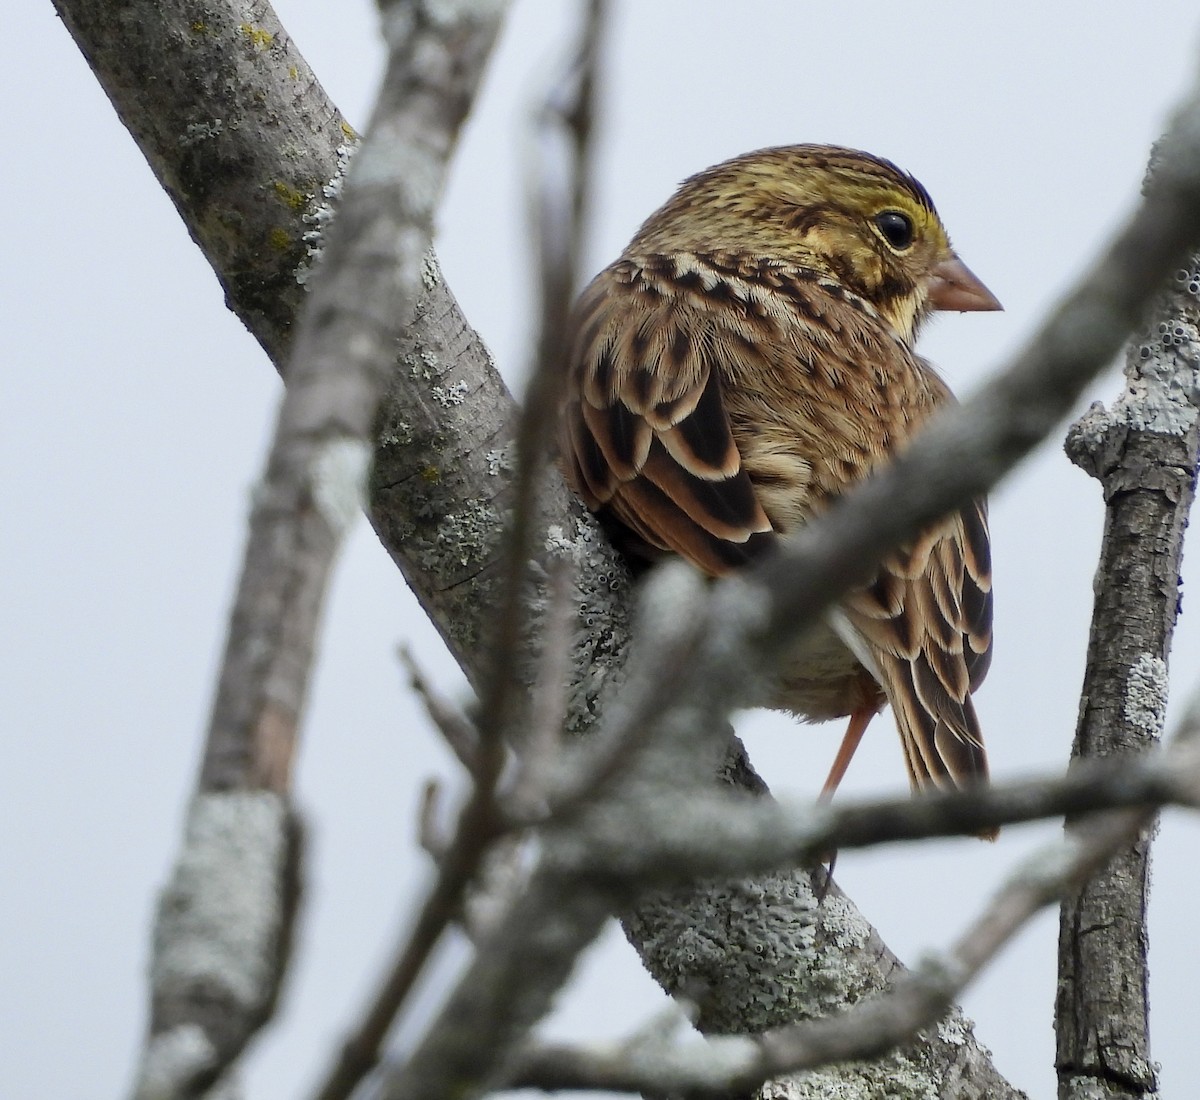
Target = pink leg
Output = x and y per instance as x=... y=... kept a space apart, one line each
x=859 y=721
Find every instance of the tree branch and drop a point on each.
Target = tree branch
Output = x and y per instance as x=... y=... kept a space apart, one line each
x=1144 y=453
x=723 y=1067
x=220 y=945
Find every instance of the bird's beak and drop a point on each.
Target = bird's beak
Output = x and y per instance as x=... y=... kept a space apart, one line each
x=953 y=287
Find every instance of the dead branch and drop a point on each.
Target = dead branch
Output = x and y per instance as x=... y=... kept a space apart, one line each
x=221 y=933
x=1144 y=453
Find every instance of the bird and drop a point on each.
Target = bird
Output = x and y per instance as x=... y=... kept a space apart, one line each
x=746 y=360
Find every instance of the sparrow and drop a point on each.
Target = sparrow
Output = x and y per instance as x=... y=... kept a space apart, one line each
x=746 y=360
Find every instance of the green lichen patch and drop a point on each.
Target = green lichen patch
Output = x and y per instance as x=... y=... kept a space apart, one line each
x=261 y=39
x=290 y=196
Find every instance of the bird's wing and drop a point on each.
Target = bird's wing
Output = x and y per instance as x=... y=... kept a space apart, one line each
x=652 y=443
x=925 y=624
x=645 y=436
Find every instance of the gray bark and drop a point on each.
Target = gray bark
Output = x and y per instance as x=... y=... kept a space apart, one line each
x=1144 y=453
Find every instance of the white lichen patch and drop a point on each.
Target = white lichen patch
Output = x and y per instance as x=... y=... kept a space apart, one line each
x=449 y=396
x=1162 y=389
x=197 y=132
x=466 y=535
x=1088 y=1088
x=323 y=214
x=339 y=482
x=893 y=1076
x=576 y=543
x=396 y=432
x=431 y=271
x=1187 y=279
x=843 y=925
x=502 y=460
x=424 y=367
x=219 y=917
x=1092 y=427
x=1146 y=695
x=955 y=1029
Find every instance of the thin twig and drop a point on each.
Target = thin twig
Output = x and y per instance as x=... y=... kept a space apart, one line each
x=665 y=839
x=721 y=1066
x=455 y=727
x=480 y=821
x=476 y=828
x=429 y=831
x=541 y=748
x=557 y=205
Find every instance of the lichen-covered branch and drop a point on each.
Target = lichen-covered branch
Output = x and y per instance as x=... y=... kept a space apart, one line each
x=723 y=1067
x=1144 y=453
x=506 y=712
x=220 y=942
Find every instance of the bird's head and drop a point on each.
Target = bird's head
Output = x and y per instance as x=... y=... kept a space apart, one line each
x=853 y=217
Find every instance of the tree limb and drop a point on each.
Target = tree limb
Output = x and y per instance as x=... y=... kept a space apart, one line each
x=872 y=1028
x=1144 y=453
x=222 y=932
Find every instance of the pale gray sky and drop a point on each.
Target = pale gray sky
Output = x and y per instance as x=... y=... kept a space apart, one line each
x=134 y=412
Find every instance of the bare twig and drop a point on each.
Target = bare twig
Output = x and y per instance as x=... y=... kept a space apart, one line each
x=479 y=823
x=430 y=835
x=561 y=174
x=557 y=204
x=541 y=748
x=456 y=728
x=721 y=1067
x=476 y=828
x=660 y=840
x=214 y=987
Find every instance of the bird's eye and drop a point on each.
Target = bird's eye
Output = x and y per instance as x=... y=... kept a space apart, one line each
x=896 y=228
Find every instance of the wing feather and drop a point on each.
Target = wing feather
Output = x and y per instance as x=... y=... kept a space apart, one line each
x=703 y=424
x=930 y=639
x=647 y=434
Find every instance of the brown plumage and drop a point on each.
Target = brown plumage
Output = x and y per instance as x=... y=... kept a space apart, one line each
x=746 y=360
